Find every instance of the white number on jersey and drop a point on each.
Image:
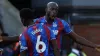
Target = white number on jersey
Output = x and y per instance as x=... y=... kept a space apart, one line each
x=40 y=43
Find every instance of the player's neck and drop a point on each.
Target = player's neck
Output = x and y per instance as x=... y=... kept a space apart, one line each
x=29 y=23
x=48 y=19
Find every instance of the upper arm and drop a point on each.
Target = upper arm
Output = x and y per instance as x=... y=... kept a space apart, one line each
x=67 y=28
x=54 y=43
x=55 y=47
x=35 y=20
x=14 y=38
x=74 y=36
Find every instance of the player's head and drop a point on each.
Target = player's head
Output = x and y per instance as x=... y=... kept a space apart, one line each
x=52 y=9
x=26 y=16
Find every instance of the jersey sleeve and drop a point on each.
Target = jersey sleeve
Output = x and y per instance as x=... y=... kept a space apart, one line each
x=67 y=28
x=35 y=20
x=52 y=36
x=23 y=44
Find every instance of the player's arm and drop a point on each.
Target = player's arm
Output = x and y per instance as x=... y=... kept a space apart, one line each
x=54 y=43
x=5 y=41
x=7 y=38
x=78 y=38
x=82 y=40
x=55 y=46
x=4 y=36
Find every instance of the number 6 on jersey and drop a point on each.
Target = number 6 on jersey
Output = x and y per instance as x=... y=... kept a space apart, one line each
x=40 y=43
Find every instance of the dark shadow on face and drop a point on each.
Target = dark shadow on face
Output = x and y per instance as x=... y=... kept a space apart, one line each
x=26 y=22
x=52 y=10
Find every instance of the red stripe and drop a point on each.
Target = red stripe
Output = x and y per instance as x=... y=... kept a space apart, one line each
x=47 y=32
x=59 y=32
x=34 y=28
x=48 y=35
x=37 y=21
x=29 y=44
x=41 y=54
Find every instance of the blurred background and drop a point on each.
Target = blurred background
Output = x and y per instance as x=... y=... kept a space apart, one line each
x=82 y=15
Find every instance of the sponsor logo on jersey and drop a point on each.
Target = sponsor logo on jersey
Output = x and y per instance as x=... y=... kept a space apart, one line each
x=54 y=24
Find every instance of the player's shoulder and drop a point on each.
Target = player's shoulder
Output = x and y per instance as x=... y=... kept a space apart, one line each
x=41 y=17
x=29 y=28
x=58 y=18
x=38 y=20
x=35 y=26
x=61 y=20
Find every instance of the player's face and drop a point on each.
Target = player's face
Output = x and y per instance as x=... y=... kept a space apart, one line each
x=52 y=11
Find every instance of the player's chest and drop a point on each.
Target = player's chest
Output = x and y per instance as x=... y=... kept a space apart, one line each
x=56 y=28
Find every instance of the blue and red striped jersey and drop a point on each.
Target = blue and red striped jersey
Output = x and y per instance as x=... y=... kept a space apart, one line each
x=36 y=40
x=58 y=27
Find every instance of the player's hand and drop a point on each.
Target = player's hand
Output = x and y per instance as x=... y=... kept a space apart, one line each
x=1 y=39
x=98 y=48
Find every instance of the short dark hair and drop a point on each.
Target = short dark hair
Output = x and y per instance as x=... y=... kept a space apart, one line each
x=26 y=13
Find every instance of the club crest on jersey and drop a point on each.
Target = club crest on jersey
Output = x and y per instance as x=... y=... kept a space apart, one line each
x=36 y=31
x=55 y=32
x=54 y=24
x=42 y=23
